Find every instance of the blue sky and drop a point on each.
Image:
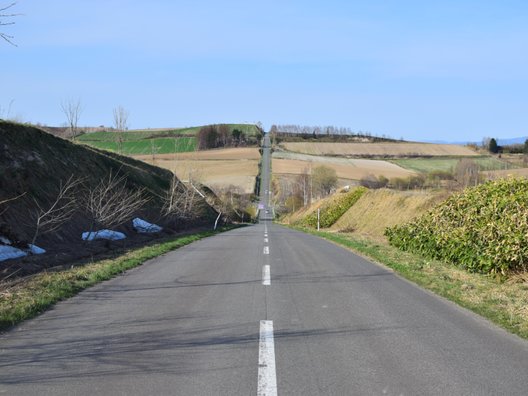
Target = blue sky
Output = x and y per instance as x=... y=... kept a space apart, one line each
x=443 y=70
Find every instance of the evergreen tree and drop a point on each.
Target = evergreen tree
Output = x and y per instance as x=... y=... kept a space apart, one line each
x=493 y=146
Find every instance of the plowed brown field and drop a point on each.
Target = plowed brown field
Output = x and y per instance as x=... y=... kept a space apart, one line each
x=352 y=170
x=216 y=169
x=393 y=150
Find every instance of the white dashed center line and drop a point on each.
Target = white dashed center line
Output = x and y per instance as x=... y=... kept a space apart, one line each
x=266 y=249
x=266 y=275
x=267 y=378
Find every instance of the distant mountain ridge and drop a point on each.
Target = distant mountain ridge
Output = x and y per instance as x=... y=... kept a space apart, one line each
x=500 y=141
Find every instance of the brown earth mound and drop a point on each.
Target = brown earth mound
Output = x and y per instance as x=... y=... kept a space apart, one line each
x=33 y=164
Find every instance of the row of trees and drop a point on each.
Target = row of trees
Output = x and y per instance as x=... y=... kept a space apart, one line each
x=322 y=181
x=493 y=147
x=72 y=110
x=214 y=136
x=318 y=132
x=311 y=184
x=465 y=174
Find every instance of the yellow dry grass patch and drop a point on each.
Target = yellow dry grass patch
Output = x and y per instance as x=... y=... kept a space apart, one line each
x=354 y=170
x=499 y=174
x=216 y=174
x=379 y=149
x=233 y=153
x=378 y=209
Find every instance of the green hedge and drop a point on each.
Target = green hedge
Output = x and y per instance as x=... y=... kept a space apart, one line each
x=332 y=211
x=482 y=229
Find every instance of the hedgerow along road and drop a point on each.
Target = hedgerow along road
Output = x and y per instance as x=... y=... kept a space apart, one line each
x=260 y=310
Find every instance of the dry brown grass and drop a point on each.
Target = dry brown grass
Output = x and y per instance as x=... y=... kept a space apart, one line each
x=354 y=170
x=378 y=209
x=217 y=169
x=233 y=153
x=215 y=174
x=392 y=150
x=499 y=174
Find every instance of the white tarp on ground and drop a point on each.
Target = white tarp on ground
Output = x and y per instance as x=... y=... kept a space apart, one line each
x=144 y=226
x=103 y=234
x=34 y=249
x=10 y=252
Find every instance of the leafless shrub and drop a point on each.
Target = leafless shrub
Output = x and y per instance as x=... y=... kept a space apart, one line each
x=180 y=200
x=467 y=173
x=5 y=201
x=373 y=182
x=121 y=125
x=59 y=211
x=5 y=20
x=112 y=203
x=72 y=109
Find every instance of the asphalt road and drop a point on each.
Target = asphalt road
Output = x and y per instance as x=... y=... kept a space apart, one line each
x=260 y=310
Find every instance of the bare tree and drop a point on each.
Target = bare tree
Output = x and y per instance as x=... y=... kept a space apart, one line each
x=467 y=173
x=5 y=201
x=5 y=20
x=180 y=200
x=324 y=180
x=112 y=203
x=5 y=113
x=61 y=209
x=121 y=125
x=303 y=181
x=121 y=118
x=72 y=109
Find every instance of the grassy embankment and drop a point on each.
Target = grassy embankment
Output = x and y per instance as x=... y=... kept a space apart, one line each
x=503 y=300
x=38 y=293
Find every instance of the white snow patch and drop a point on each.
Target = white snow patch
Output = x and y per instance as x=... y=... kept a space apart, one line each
x=144 y=226
x=103 y=234
x=34 y=249
x=10 y=252
x=5 y=241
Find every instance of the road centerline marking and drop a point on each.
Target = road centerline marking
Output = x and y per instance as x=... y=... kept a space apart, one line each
x=267 y=377
x=266 y=250
x=266 y=275
x=266 y=240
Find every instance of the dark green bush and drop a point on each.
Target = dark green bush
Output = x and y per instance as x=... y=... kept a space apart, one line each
x=482 y=229
x=333 y=210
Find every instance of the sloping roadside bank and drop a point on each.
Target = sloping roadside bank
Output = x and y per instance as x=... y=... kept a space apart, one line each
x=30 y=297
x=503 y=302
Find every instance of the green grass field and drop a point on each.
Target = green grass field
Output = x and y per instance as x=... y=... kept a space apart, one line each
x=139 y=142
x=426 y=165
x=148 y=146
x=104 y=136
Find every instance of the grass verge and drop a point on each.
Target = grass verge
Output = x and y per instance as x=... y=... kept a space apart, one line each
x=500 y=300
x=40 y=292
